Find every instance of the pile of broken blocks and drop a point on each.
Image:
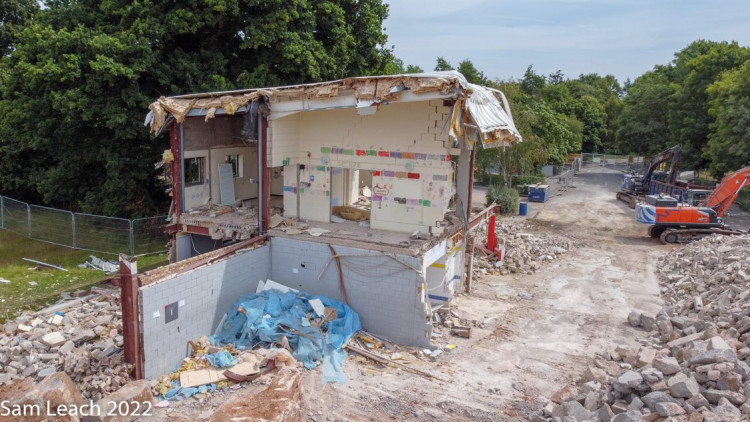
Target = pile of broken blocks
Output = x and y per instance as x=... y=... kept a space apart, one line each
x=525 y=252
x=83 y=339
x=696 y=366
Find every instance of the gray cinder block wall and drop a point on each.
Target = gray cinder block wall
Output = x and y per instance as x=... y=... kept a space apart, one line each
x=387 y=294
x=203 y=296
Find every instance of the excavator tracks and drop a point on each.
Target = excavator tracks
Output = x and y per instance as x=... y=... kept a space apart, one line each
x=688 y=235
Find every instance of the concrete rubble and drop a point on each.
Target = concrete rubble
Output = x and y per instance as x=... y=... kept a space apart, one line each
x=81 y=337
x=525 y=253
x=696 y=364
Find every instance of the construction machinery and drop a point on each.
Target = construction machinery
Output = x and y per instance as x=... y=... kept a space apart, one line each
x=684 y=222
x=634 y=185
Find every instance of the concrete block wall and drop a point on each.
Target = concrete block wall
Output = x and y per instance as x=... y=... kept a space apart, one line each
x=388 y=296
x=207 y=293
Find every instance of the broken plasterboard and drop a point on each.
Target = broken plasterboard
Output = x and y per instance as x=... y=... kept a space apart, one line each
x=270 y=284
x=317 y=306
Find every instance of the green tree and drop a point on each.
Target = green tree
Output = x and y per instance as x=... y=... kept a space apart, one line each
x=690 y=122
x=471 y=73
x=729 y=142
x=644 y=122
x=443 y=64
x=13 y=15
x=78 y=82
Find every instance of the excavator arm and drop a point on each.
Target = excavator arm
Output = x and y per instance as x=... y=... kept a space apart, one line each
x=724 y=195
x=670 y=154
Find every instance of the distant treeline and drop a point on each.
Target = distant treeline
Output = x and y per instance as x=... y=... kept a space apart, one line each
x=76 y=78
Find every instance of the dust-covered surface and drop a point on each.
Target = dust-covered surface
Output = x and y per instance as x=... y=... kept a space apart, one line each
x=532 y=334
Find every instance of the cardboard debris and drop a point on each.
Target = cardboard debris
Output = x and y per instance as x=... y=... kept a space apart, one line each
x=215 y=375
x=276 y=219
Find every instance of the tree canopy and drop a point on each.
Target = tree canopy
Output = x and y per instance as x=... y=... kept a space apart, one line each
x=78 y=78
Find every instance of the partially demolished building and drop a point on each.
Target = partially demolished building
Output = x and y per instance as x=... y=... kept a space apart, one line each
x=357 y=189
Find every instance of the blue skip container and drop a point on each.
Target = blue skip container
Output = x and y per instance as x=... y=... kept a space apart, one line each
x=523 y=208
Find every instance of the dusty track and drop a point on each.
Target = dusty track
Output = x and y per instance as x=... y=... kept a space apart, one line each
x=559 y=317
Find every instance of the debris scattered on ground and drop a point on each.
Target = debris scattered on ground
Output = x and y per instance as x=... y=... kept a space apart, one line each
x=108 y=267
x=274 y=318
x=81 y=337
x=524 y=252
x=696 y=365
x=44 y=264
x=4 y=280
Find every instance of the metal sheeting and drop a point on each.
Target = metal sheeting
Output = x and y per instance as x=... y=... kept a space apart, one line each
x=491 y=118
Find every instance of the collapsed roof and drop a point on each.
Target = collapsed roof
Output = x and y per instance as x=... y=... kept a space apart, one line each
x=479 y=113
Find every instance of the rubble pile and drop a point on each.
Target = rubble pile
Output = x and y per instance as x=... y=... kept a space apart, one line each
x=696 y=364
x=85 y=341
x=524 y=252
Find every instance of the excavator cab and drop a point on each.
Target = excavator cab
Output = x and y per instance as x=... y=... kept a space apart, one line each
x=696 y=197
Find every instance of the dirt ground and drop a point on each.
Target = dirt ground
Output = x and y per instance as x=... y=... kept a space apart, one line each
x=540 y=330
x=558 y=318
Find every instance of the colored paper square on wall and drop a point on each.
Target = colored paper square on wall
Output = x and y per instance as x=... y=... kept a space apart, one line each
x=384 y=154
x=433 y=157
x=372 y=152
x=328 y=193
x=395 y=154
x=376 y=173
x=301 y=190
x=348 y=152
x=412 y=175
x=389 y=173
x=361 y=153
x=325 y=150
x=425 y=202
x=320 y=168
x=440 y=177
x=402 y=175
x=413 y=201
x=409 y=155
x=377 y=198
x=419 y=156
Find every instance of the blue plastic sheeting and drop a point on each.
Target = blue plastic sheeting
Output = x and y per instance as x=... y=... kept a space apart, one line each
x=222 y=359
x=181 y=393
x=262 y=319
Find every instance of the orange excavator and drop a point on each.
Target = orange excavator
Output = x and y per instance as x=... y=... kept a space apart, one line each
x=682 y=224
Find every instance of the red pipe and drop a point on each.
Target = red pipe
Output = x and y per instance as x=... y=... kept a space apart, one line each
x=174 y=140
x=491 y=238
x=266 y=188
x=131 y=329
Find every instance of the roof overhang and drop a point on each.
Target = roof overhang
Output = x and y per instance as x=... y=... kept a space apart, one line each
x=479 y=112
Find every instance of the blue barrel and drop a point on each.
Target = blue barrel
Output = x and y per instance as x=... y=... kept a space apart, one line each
x=524 y=208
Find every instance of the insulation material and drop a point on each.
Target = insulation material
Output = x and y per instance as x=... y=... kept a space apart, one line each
x=484 y=108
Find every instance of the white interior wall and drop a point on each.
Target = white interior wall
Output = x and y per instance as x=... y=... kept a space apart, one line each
x=197 y=195
x=413 y=132
x=244 y=188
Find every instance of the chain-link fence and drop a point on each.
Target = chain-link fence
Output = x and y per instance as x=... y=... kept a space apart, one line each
x=629 y=162
x=84 y=231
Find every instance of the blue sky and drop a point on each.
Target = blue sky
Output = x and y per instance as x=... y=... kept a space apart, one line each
x=502 y=38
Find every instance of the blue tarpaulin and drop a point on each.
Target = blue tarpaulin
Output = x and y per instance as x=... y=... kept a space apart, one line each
x=262 y=319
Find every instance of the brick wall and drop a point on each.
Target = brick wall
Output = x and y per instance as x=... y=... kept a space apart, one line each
x=207 y=293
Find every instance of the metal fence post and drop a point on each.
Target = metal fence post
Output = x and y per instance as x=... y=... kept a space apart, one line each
x=73 y=226
x=132 y=242
x=28 y=218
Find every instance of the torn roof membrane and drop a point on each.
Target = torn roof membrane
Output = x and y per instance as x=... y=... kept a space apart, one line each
x=483 y=108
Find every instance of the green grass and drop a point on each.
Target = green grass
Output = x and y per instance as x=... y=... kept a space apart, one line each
x=19 y=294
